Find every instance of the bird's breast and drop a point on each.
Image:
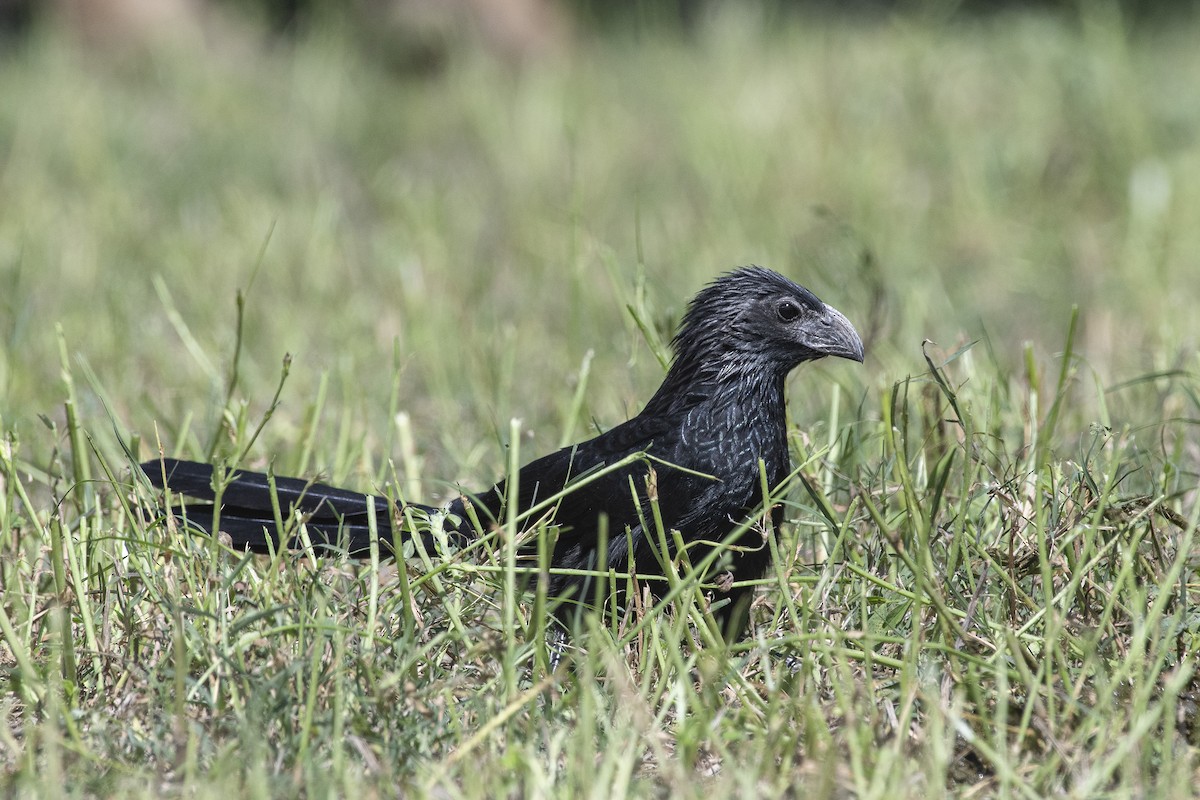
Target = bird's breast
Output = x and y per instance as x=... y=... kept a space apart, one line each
x=729 y=442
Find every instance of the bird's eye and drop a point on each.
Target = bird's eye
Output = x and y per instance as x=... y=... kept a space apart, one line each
x=787 y=311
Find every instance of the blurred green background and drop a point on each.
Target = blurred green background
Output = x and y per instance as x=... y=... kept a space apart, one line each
x=467 y=205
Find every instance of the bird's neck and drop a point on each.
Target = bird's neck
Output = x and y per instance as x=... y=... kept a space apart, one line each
x=755 y=388
x=749 y=407
x=733 y=422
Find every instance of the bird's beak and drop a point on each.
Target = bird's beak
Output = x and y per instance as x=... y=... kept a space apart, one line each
x=835 y=336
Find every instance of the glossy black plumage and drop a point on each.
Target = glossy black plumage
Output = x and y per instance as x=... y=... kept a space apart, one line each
x=719 y=412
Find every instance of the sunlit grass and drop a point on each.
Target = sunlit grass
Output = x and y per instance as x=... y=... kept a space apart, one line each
x=987 y=583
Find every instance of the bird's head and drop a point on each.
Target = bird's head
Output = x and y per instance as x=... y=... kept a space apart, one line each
x=753 y=318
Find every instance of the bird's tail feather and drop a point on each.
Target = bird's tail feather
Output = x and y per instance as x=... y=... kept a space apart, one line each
x=333 y=518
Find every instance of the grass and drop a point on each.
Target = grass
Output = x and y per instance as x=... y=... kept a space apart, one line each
x=289 y=255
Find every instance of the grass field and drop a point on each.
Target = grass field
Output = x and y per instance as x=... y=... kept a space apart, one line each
x=988 y=583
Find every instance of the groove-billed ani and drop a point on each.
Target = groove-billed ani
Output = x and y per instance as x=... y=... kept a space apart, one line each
x=697 y=447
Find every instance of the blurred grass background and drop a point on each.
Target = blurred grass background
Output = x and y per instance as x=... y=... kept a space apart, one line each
x=953 y=179
x=454 y=229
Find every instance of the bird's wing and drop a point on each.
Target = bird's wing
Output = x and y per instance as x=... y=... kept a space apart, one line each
x=588 y=464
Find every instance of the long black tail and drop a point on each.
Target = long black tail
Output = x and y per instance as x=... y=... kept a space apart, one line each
x=333 y=518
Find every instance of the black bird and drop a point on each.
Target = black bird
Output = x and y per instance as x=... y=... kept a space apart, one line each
x=696 y=447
